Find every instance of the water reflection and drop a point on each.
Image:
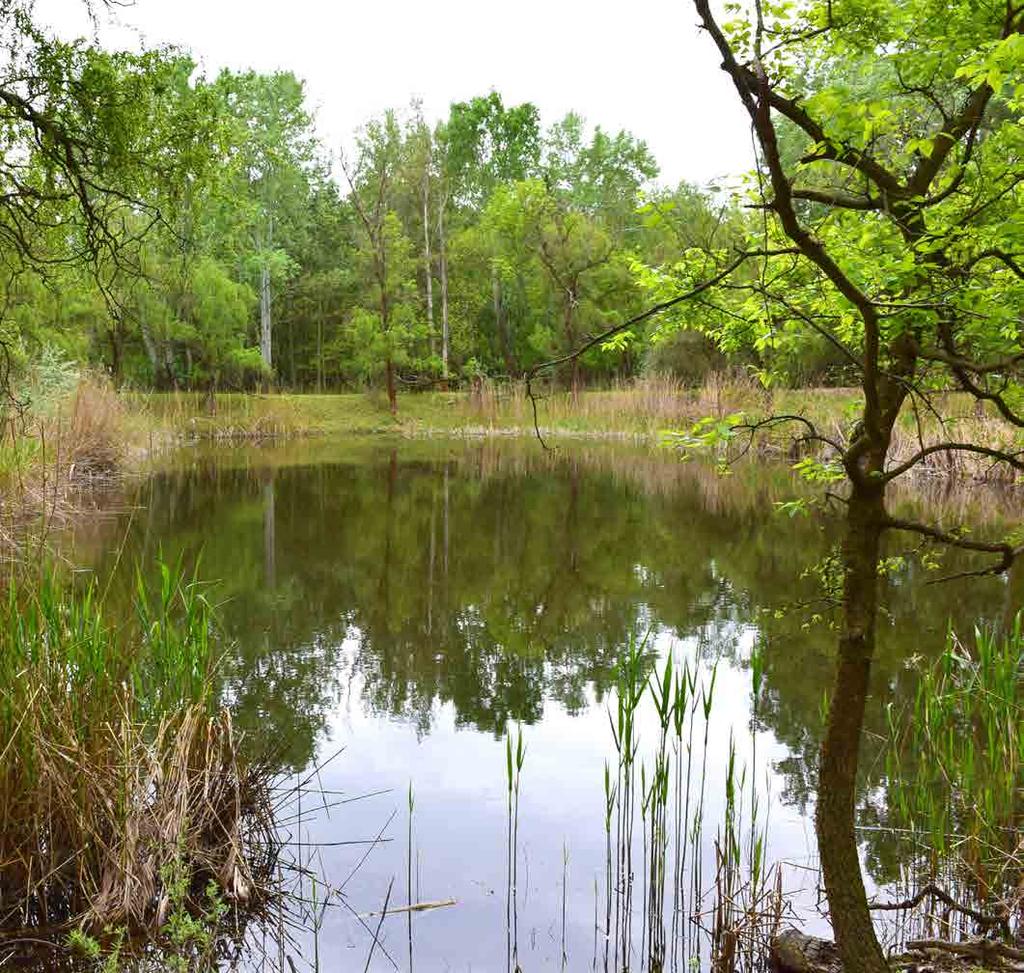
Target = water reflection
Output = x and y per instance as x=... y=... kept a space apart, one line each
x=413 y=600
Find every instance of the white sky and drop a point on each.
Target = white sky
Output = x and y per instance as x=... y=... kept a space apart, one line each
x=641 y=66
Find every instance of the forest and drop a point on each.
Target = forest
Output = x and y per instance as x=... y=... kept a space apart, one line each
x=193 y=232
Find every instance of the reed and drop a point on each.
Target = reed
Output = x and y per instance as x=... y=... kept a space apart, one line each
x=125 y=811
x=955 y=773
x=515 y=757
x=226 y=417
x=656 y=796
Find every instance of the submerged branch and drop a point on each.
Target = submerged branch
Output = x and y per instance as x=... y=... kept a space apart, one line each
x=989 y=920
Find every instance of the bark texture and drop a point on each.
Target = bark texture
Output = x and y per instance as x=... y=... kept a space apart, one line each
x=837 y=780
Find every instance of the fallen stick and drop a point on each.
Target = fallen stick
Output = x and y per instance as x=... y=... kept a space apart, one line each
x=983 y=949
x=989 y=920
x=415 y=907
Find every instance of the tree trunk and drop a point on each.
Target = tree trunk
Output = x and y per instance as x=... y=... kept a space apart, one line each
x=152 y=353
x=116 y=355
x=570 y=343
x=427 y=262
x=837 y=780
x=389 y=370
x=320 y=348
x=443 y=268
x=172 y=377
x=266 y=325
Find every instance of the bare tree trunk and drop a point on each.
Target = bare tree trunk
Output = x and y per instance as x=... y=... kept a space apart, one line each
x=116 y=353
x=172 y=378
x=320 y=347
x=266 y=325
x=837 y=779
x=570 y=342
x=149 y=343
x=266 y=322
x=428 y=263
x=389 y=371
x=443 y=267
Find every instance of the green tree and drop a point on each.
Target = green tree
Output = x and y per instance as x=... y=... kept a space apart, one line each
x=97 y=147
x=272 y=158
x=386 y=325
x=483 y=145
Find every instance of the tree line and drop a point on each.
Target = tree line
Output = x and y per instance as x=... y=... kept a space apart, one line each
x=185 y=232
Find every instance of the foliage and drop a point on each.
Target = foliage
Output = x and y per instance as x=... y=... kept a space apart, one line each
x=210 y=246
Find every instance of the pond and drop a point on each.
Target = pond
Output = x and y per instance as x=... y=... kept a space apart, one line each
x=391 y=610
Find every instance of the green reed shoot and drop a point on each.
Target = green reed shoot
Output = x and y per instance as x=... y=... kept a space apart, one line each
x=671 y=799
x=955 y=763
x=515 y=757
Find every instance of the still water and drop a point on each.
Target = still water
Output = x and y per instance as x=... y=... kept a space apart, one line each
x=391 y=610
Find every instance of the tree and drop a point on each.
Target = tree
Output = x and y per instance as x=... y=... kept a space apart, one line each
x=894 y=233
x=525 y=219
x=96 y=147
x=482 y=146
x=272 y=154
x=572 y=221
x=386 y=323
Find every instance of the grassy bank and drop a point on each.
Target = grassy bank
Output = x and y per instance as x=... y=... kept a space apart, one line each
x=642 y=410
x=92 y=431
x=637 y=409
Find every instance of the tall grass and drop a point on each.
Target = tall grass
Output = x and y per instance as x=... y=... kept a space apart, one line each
x=955 y=772
x=54 y=445
x=225 y=417
x=119 y=776
x=643 y=405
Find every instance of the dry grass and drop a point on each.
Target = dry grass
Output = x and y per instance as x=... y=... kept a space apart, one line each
x=84 y=439
x=189 y=416
x=93 y=837
x=643 y=406
x=93 y=435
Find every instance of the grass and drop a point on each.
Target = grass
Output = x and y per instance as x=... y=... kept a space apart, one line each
x=955 y=769
x=643 y=409
x=82 y=438
x=628 y=409
x=125 y=814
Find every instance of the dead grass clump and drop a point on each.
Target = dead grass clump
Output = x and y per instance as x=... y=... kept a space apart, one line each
x=93 y=434
x=111 y=821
